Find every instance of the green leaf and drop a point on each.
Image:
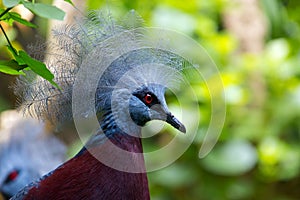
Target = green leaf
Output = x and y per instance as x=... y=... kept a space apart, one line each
x=12 y=64
x=16 y=17
x=10 y=3
x=37 y=67
x=70 y=2
x=8 y=20
x=8 y=70
x=10 y=17
x=14 y=51
x=44 y=10
x=24 y=60
x=11 y=67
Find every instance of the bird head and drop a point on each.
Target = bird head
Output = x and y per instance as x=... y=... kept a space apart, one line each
x=27 y=151
x=121 y=61
x=15 y=177
x=133 y=88
x=148 y=103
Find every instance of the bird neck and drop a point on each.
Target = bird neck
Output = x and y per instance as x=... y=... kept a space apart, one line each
x=114 y=129
x=87 y=176
x=128 y=141
x=108 y=124
x=114 y=181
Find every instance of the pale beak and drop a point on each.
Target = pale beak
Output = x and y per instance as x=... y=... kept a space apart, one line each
x=161 y=113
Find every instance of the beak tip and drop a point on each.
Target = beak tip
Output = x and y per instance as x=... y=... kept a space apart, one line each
x=175 y=123
x=182 y=129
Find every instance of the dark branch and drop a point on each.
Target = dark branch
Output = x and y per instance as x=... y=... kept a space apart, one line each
x=6 y=11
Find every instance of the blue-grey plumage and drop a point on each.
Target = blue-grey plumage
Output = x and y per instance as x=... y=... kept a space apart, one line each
x=128 y=93
x=88 y=43
x=27 y=151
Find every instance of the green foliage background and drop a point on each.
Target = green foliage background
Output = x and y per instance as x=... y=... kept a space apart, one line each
x=258 y=153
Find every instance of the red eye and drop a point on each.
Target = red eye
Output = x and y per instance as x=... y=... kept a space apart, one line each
x=148 y=98
x=13 y=175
